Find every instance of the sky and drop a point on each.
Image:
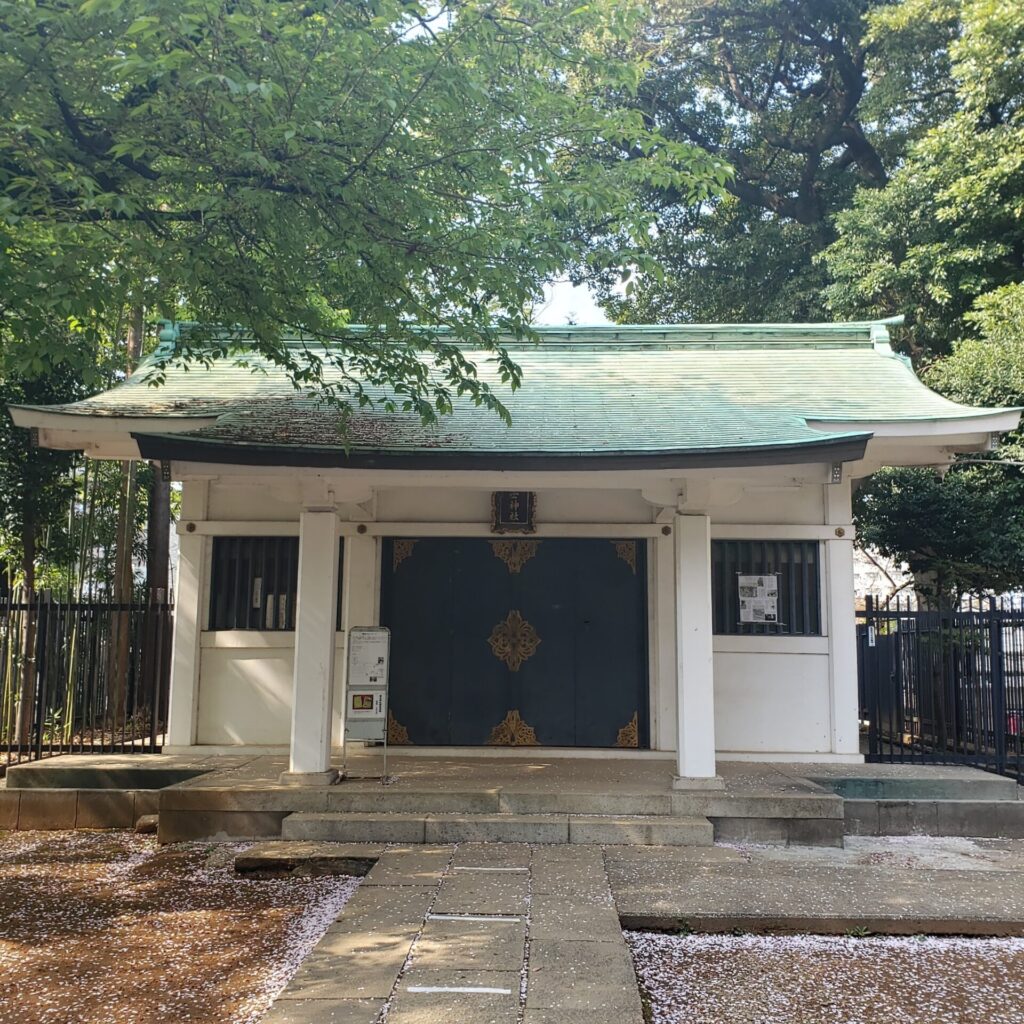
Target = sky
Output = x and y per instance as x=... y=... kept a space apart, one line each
x=567 y=303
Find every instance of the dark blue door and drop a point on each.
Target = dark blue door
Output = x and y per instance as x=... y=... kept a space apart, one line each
x=517 y=641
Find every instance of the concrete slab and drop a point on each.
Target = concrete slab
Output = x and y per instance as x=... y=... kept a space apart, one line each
x=397 y=799
x=537 y=1015
x=372 y=950
x=239 y=797
x=497 y=828
x=355 y=828
x=653 y=830
x=476 y=893
x=583 y=878
x=322 y=977
x=474 y=1004
x=988 y=818
x=385 y=907
x=471 y=945
x=409 y=869
x=908 y=782
x=508 y=855
x=554 y=989
x=530 y=802
x=610 y=962
x=291 y=1010
x=800 y=894
x=562 y=917
x=308 y=858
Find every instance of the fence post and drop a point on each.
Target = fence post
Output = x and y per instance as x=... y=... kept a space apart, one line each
x=869 y=696
x=998 y=671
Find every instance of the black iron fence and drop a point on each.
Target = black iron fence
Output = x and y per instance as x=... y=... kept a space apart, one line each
x=944 y=687
x=82 y=676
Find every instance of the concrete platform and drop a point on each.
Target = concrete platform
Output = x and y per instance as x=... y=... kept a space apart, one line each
x=503 y=933
x=935 y=886
x=527 y=797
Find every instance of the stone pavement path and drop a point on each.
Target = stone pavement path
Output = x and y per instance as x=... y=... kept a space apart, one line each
x=478 y=934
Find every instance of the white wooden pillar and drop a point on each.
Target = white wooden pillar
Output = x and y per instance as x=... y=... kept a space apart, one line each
x=666 y=661
x=358 y=608
x=189 y=620
x=695 y=675
x=315 y=620
x=844 y=701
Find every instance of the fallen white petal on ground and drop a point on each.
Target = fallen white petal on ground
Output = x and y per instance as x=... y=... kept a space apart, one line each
x=100 y=927
x=818 y=979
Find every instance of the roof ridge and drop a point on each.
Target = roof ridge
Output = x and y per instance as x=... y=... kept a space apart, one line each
x=615 y=336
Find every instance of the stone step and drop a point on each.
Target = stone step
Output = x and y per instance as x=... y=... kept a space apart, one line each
x=631 y=830
x=347 y=799
x=282 y=857
x=974 y=819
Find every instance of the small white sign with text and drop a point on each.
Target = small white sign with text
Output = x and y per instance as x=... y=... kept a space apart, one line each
x=759 y=598
x=366 y=696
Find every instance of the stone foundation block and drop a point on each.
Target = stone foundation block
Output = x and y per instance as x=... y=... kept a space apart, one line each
x=105 y=808
x=10 y=801
x=218 y=826
x=48 y=809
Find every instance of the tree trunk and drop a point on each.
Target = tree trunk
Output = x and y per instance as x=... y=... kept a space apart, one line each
x=155 y=651
x=120 y=621
x=158 y=529
x=27 y=698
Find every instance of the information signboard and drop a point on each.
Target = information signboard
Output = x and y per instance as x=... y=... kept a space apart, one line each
x=366 y=691
x=759 y=598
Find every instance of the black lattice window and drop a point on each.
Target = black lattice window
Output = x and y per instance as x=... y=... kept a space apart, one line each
x=254 y=583
x=796 y=566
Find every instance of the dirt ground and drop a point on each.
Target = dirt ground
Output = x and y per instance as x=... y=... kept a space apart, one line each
x=109 y=928
x=812 y=979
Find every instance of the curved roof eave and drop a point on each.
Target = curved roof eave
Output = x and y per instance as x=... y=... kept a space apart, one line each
x=839 y=448
x=45 y=418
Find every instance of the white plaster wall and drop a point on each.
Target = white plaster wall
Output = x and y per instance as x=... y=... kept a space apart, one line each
x=454 y=505
x=245 y=695
x=245 y=687
x=266 y=502
x=771 y=702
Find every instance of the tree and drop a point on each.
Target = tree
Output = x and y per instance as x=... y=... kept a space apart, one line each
x=780 y=90
x=962 y=531
x=949 y=226
x=297 y=167
x=34 y=490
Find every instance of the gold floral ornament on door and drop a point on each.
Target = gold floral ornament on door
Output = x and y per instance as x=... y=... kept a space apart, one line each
x=515 y=553
x=514 y=640
x=626 y=550
x=398 y=735
x=629 y=734
x=512 y=731
x=400 y=551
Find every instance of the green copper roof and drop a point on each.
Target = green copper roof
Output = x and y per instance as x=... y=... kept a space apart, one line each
x=617 y=390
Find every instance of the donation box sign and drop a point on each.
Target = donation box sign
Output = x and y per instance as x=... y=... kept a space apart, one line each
x=366 y=694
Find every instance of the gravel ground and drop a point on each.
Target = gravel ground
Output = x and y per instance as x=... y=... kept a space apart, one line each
x=109 y=928
x=813 y=979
